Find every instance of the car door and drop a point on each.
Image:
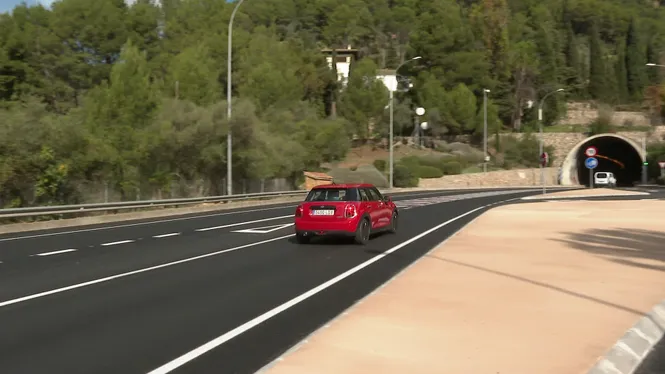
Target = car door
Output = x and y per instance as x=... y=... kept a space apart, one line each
x=379 y=207
x=370 y=206
x=386 y=211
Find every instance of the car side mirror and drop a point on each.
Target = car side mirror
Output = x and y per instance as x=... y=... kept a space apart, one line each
x=387 y=198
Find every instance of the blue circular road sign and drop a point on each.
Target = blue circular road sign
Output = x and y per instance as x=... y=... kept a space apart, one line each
x=591 y=163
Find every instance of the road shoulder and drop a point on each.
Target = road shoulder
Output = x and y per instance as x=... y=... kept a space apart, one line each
x=528 y=288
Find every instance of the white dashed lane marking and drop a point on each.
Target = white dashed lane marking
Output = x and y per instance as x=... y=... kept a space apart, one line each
x=166 y=235
x=403 y=204
x=55 y=252
x=116 y=243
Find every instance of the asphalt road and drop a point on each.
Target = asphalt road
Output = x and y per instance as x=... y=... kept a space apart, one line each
x=654 y=363
x=134 y=297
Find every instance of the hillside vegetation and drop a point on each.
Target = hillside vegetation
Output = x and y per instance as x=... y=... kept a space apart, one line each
x=101 y=100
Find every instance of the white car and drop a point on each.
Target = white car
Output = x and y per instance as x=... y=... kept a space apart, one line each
x=604 y=178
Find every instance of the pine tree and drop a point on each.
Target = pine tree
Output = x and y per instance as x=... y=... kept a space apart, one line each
x=622 y=73
x=635 y=62
x=597 y=65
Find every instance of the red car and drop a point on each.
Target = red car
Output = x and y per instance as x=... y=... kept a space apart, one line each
x=354 y=210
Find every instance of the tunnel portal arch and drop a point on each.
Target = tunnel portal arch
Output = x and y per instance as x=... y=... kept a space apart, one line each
x=616 y=154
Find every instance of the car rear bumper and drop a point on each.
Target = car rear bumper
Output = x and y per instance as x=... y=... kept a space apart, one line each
x=331 y=233
x=313 y=228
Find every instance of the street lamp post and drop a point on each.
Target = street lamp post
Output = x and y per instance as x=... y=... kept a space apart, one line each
x=392 y=107
x=485 y=159
x=229 y=148
x=540 y=129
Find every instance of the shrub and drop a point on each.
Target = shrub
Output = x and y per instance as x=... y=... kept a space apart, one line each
x=403 y=177
x=472 y=170
x=363 y=174
x=603 y=124
x=453 y=168
x=425 y=171
x=524 y=152
x=380 y=165
x=411 y=161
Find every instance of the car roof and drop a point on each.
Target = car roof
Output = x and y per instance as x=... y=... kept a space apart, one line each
x=345 y=185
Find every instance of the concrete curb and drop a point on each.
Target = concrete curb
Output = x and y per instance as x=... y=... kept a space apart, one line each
x=629 y=352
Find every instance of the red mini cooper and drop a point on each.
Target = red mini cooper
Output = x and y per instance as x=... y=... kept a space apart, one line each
x=354 y=210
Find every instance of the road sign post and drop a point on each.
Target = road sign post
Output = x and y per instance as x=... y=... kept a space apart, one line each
x=544 y=161
x=591 y=163
x=591 y=152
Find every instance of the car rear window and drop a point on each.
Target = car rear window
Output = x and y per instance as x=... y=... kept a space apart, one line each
x=333 y=194
x=601 y=175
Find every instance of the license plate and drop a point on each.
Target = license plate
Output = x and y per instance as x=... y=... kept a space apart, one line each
x=327 y=212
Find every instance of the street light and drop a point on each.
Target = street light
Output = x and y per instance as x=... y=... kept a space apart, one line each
x=658 y=65
x=391 y=161
x=485 y=160
x=229 y=161
x=540 y=126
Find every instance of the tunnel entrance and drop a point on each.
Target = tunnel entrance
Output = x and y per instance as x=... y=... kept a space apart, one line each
x=615 y=155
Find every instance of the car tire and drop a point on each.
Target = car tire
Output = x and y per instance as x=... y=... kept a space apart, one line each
x=302 y=239
x=393 y=223
x=363 y=232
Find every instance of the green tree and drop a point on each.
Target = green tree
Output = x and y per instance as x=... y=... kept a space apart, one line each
x=364 y=99
x=635 y=61
x=597 y=86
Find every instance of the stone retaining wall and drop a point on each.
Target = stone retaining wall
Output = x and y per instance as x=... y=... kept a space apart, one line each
x=502 y=178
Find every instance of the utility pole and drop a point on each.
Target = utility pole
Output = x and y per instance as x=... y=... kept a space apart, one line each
x=486 y=158
x=542 y=145
x=229 y=147
x=392 y=131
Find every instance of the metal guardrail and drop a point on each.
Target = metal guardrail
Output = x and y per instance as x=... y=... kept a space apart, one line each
x=126 y=205
x=100 y=207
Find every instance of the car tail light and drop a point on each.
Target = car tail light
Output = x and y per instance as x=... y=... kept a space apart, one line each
x=350 y=211
x=299 y=211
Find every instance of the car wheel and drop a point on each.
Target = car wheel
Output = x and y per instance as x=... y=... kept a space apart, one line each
x=393 y=223
x=363 y=232
x=302 y=239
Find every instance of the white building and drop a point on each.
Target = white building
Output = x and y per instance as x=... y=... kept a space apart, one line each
x=342 y=62
x=388 y=77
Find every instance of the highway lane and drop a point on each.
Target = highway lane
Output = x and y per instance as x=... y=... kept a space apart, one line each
x=30 y=269
x=135 y=323
x=49 y=241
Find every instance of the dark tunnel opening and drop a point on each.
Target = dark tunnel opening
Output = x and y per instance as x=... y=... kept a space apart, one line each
x=615 y=155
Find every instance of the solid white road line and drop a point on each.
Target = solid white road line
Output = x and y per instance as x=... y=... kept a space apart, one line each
x=116 y=243
x=139 y=271
x=166 y=235
x=55 y=252
x=189 y=356
x=244 y=223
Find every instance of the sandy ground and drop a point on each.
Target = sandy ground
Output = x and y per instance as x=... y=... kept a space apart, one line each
x=588 y=192
x=544 y=287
